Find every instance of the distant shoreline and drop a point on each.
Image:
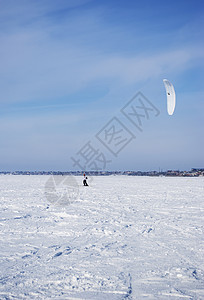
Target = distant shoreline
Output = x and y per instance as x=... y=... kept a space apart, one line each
x=168 y=173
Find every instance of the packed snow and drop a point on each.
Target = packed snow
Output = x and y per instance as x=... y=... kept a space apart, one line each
x=122 y=237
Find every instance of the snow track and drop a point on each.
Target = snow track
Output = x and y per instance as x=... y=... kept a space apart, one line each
x=122 y=238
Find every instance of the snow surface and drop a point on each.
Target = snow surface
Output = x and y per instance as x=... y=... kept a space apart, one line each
x=121 y=238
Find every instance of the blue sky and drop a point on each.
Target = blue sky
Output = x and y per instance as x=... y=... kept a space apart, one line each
x=68 y=67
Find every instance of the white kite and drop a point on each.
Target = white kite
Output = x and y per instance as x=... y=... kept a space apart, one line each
x=171 y=96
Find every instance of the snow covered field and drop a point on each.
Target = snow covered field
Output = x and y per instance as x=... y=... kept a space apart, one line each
x=120 y=238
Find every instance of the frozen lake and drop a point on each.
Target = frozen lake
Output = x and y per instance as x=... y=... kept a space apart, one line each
x=120 y=238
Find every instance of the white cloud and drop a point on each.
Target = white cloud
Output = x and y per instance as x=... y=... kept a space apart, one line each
x=31 y=70
x=43 y=59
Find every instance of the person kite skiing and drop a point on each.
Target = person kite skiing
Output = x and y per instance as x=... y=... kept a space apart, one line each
x=85 y=180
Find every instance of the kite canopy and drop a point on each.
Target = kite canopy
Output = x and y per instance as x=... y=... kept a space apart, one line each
x=171 y=96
